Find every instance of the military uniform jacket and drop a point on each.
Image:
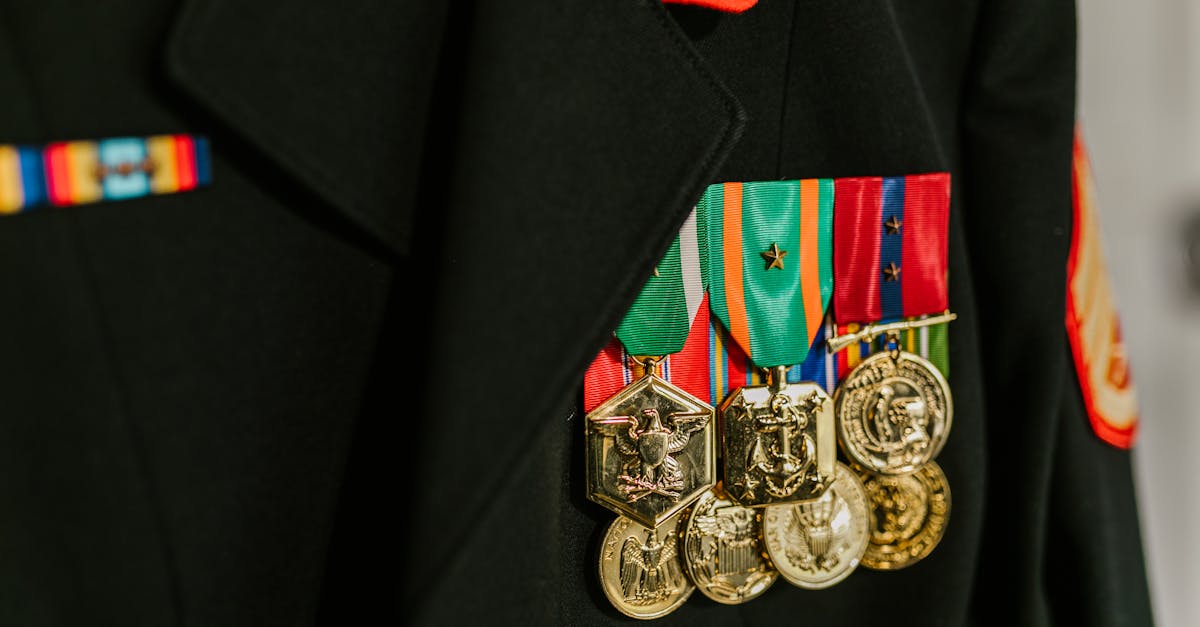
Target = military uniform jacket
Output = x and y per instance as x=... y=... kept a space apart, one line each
x=340 y=385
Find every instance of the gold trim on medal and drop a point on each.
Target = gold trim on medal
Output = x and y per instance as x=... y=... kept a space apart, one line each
x=778 y=441
x=651 y=450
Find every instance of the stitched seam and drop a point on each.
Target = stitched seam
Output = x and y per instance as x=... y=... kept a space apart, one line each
x=121 y=394
x=783 y=99
x=141 y=464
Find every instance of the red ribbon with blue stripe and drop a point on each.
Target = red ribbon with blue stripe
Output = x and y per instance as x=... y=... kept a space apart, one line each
x=890 y=247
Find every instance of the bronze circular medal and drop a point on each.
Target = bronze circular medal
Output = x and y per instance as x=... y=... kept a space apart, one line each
x=723 y=551
x=908 y=516
x=641 y=570
x=893 y=413
x=817 y=543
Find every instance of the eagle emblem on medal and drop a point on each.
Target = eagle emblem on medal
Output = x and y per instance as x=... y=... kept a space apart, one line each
x=640 y=568
x=651 y=450
x=723 y=550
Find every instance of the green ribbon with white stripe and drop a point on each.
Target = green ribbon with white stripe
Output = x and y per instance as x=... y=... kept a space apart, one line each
x=659 y=321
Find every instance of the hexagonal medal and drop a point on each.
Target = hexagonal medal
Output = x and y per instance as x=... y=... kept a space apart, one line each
x=779 y=442
x=651 y=450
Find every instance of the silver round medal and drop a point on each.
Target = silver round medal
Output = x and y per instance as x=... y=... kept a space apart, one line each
x=817 y=543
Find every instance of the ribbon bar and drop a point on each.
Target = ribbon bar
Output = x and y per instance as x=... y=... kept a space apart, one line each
x=80 y=172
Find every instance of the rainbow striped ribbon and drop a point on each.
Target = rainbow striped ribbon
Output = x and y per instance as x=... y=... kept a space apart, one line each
x=930 y=342
x=730 y=368
x=80 y=172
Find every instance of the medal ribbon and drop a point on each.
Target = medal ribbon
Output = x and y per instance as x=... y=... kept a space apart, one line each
x=615 y=368
x=773 y=310
x=660 y=318
x=890 y=247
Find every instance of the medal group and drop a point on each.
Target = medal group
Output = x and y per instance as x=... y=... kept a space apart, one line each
x=806 y=333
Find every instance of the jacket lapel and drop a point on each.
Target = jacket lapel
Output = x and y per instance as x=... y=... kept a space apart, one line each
x=585 y=136
x=336 y=97
x=531 y=162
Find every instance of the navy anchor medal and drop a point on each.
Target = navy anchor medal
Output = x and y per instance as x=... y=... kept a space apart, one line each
x=771 y=277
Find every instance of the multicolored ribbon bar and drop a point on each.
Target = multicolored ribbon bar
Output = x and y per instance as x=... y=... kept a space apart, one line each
x=711 y=366
x=771 y=264
x=771 y=260
x=890 y=247
x=931 y=342
x=81 y=172
x=659 y=320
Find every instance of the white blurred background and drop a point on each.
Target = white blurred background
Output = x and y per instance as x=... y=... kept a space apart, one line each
x=1139 y=102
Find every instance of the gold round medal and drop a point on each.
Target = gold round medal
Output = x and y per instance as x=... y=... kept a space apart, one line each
x=641 y=570
x=723 y=551
x=817 y=543
x=908 y=516
x=893 y=412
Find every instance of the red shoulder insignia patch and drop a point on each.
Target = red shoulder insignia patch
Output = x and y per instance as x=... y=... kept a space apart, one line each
x=1093 y=325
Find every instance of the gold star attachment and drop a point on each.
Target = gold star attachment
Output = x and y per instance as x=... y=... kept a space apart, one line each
x=656 y=271
x=774 y=256
x=891 y=273
x=893 y=225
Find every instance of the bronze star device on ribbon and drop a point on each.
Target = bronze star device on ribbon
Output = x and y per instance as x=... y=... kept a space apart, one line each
x=778 y=439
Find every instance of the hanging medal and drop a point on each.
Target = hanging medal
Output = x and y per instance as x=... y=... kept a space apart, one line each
x=723 y=550
x=651 y=446
x=778 y=439
x=894 y=410
x=770 y=268
x=908 y=516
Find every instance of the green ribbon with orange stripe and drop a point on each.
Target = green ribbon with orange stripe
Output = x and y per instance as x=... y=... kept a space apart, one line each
x=772 y=310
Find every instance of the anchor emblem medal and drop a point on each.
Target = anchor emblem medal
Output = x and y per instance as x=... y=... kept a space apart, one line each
x=778 y=440
x=651 y=447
